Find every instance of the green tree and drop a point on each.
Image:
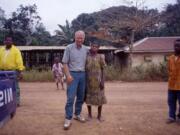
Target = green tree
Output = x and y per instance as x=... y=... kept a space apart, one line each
x=41 y=36
x=24 y=21
x=2 y=18
x=171 y=21
x=2 y=22
x=85 y=22
x=65 y=34
x=136 y=21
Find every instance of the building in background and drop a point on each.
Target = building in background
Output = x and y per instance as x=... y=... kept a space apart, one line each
x=150 y=50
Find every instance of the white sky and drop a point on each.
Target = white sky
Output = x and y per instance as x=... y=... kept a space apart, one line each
x=55 y=12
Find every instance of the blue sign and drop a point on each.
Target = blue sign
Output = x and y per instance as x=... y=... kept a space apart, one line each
x=7 y=96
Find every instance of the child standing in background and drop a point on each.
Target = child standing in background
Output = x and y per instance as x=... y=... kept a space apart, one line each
x=57 y=70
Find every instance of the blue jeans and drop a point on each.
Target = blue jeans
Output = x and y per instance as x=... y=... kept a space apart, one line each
x=75 y=89
x=173 y=97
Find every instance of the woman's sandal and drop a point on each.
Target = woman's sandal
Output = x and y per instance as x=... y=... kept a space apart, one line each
x=100 y=119
x=89 y=118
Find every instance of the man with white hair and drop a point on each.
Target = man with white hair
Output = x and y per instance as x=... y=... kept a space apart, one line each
x=74 y=60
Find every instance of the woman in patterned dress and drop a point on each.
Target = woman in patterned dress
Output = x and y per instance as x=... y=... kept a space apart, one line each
x=95 y=95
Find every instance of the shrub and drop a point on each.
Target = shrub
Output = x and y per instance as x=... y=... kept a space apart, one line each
x=112 y=73
x=36 y=75
x=140 y=73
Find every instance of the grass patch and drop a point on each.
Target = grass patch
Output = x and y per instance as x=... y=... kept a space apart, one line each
x=37 y=76
x=140 y=73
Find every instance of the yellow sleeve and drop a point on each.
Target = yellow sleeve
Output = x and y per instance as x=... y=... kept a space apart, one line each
x=19 y=61
x=0 y=55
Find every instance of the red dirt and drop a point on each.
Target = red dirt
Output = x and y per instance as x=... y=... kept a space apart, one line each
x=132 y=109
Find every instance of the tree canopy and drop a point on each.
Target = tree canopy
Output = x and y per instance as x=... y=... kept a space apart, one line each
x=111 y=25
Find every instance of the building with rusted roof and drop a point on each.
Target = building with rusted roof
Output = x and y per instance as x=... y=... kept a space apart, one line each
x=149 y=50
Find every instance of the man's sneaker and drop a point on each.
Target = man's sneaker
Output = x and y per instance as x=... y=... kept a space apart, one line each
x=80 y=118
x=67 y=124
x=170 y=120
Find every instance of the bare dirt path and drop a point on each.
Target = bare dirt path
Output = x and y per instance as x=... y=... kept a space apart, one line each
x=132 y=109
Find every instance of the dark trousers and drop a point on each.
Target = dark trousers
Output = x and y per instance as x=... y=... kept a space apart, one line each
x=173 y=97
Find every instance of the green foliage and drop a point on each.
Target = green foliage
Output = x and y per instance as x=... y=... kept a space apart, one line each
x=37 y=76
x=156 y=72
x=140 y=73
x=41 y=36
x=112 y=73
x=119 y=21
x=116 y=22
x=2 y=36
x=65 y=34
x=172 y=19
x=85 y=22
x=23 y=21
x=2 y=17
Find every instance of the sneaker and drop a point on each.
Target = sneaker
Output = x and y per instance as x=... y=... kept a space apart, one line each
x=67 y=124
x=170 y=120
x=80 y=118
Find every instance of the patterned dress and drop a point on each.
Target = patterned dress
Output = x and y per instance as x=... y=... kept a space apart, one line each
x=57 y=71
x=94 y=95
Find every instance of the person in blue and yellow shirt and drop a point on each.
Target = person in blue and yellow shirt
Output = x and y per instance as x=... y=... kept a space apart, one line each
x=11 y=59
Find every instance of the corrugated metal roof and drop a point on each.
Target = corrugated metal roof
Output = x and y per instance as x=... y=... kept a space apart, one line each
x=30 y=48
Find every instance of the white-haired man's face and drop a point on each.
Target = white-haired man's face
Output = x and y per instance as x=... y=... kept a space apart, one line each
x=79 y=38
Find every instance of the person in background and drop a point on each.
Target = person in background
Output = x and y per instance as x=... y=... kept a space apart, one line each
x=95 y=95
x=11 y=59
x=174 y=84
x=74 y=60
x=57 y=70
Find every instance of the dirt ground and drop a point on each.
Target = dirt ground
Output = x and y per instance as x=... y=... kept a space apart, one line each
x=132 y=109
